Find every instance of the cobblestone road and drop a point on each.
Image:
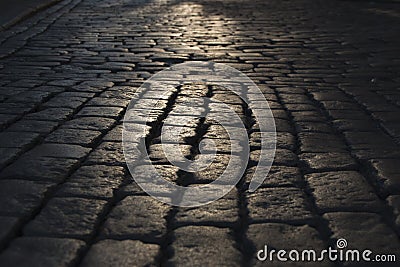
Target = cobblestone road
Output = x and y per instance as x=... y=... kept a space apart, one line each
x=329 y=69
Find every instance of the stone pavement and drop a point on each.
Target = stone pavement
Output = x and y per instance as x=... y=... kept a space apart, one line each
x=13 y=11
x=329 y=69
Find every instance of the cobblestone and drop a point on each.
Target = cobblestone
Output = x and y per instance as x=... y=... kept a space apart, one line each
x=109 y=153
x=41 y=251
x=278 y=176
x=329 y=70
x=17 y=140
x=42 y=127
x=343 y=191
x=121 y=253
x=66 y=217
x=328 y=161
x=196 y=245
x=73 y=136
x=89 y=123
x=223 y=212
x=58 y=151
x=21 y=198
x=388 y=172
x=40 y=169
x=279 y=204
x=137 y=218
x=50 y=114
x=95 y=181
